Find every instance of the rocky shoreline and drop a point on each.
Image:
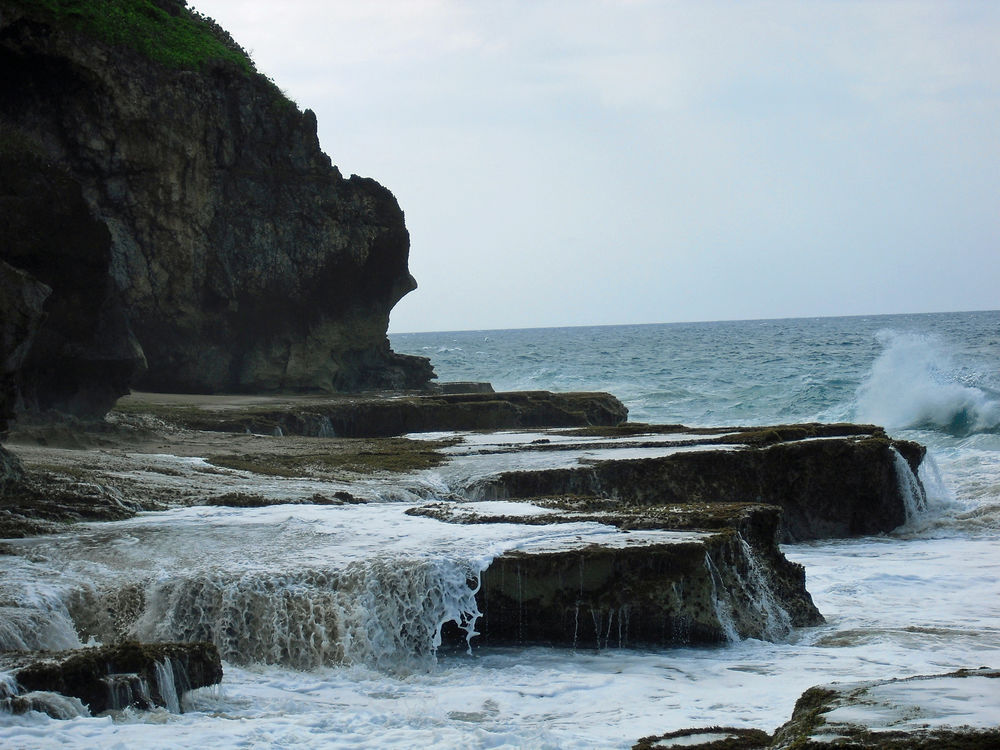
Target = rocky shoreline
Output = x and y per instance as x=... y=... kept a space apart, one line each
x=699 y=512
x=170 y=222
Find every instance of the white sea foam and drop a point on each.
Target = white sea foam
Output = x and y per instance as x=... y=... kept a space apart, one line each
x=894 y=608
x=302 y=586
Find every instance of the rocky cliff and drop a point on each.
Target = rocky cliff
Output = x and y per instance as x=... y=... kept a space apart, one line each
x=21 y=301
x=194 y=235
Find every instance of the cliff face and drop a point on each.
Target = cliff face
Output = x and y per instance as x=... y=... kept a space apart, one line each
x=21 y=300
x=237 y=257
x=84 y=355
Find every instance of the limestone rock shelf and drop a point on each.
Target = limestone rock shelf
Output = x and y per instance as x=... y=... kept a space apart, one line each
x=607 y=533
x=695 y=588
x=929 y=712
x=829 y=480
x=381 y=415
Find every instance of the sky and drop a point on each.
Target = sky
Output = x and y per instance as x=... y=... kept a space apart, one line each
x=590 y=162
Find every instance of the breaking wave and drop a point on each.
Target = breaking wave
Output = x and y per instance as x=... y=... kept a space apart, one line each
x=916 y=384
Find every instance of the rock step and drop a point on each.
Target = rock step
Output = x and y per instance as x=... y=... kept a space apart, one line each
x=956 y=710
x=113 y=677
x=388 y=416
x=697 y=588
x=679 y=575
x=827 y=487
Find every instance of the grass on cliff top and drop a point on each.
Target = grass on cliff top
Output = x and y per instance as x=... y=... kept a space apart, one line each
x=181 y=39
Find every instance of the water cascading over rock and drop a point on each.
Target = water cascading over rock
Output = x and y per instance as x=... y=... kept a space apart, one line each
x=384 y=613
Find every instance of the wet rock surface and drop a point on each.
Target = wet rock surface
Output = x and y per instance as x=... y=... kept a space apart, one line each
x=709 y=738
x=955 y=710
x=44 y=505
x=383 y=415
x=114 y=677
x=829 y=481
x=668 y=556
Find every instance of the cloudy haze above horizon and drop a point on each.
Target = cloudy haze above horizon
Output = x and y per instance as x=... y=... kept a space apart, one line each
x=592 y=162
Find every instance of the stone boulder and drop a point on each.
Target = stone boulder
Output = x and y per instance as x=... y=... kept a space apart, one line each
x=695 y=588
x=114 y=677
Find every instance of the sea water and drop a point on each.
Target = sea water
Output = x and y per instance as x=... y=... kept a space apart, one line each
x=922 y=600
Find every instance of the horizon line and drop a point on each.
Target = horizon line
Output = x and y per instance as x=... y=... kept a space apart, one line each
x=692 y=322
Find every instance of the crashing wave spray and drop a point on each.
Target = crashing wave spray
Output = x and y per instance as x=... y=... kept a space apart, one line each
x=915 y=384
x=13 y=701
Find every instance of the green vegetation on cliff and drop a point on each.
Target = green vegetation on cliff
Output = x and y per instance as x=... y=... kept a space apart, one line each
x=163 y=30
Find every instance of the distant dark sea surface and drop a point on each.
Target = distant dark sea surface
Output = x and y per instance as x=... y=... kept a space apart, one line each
x=940 y=371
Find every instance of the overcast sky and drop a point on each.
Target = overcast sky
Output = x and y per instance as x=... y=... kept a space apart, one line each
x=583 y=162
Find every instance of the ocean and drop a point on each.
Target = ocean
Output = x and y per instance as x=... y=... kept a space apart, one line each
x=923 y=599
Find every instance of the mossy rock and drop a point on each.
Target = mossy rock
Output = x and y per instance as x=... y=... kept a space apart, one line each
x=388 y=416
x=709 y=738
x=84 y=673
x=837 y=486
